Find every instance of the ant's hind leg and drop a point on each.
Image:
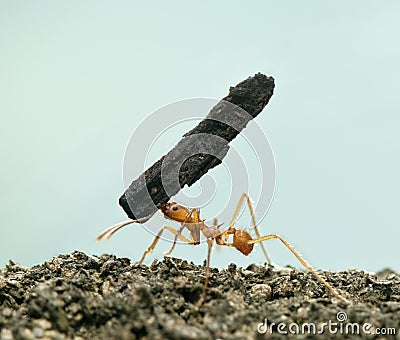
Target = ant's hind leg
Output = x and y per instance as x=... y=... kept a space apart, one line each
x=253 y=219
x=152 y=246
x=299 y=258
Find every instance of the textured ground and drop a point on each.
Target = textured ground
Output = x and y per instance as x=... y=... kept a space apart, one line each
x=80 y=296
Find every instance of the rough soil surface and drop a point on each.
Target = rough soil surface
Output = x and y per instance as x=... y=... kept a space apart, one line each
x=78 y=296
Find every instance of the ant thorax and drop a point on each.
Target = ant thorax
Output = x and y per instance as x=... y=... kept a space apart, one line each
x=210 y=232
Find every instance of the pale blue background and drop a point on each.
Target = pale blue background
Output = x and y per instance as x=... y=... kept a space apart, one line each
x=77 y=77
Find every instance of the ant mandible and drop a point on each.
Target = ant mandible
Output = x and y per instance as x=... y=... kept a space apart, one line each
x=242 y=240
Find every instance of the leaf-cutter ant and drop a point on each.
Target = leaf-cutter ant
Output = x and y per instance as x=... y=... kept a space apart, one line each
x=242 y=240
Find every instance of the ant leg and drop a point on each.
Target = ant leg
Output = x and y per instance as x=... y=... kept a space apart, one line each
x=253 y=219
x=150 y=249
x=179 y=232
x=203 y=294
x=299 y=258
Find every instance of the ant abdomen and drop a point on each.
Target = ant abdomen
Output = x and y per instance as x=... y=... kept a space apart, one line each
x=240 y=236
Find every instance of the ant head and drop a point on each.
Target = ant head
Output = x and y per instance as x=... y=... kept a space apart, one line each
x=174 y=211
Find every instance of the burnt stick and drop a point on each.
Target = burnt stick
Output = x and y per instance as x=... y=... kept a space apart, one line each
x=225 y=121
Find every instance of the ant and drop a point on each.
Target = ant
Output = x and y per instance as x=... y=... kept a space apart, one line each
x=242 y=240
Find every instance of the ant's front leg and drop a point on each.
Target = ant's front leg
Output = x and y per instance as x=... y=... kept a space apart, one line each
x=172 y=230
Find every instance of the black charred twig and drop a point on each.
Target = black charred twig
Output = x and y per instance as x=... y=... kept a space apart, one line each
x=199 y=150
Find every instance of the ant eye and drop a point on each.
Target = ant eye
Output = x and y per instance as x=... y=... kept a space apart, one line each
x=175 y=208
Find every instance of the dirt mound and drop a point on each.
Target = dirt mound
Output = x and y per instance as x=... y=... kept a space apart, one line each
x=80 y=296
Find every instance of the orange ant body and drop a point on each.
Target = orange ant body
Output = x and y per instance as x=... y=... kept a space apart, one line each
x=242 y=240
